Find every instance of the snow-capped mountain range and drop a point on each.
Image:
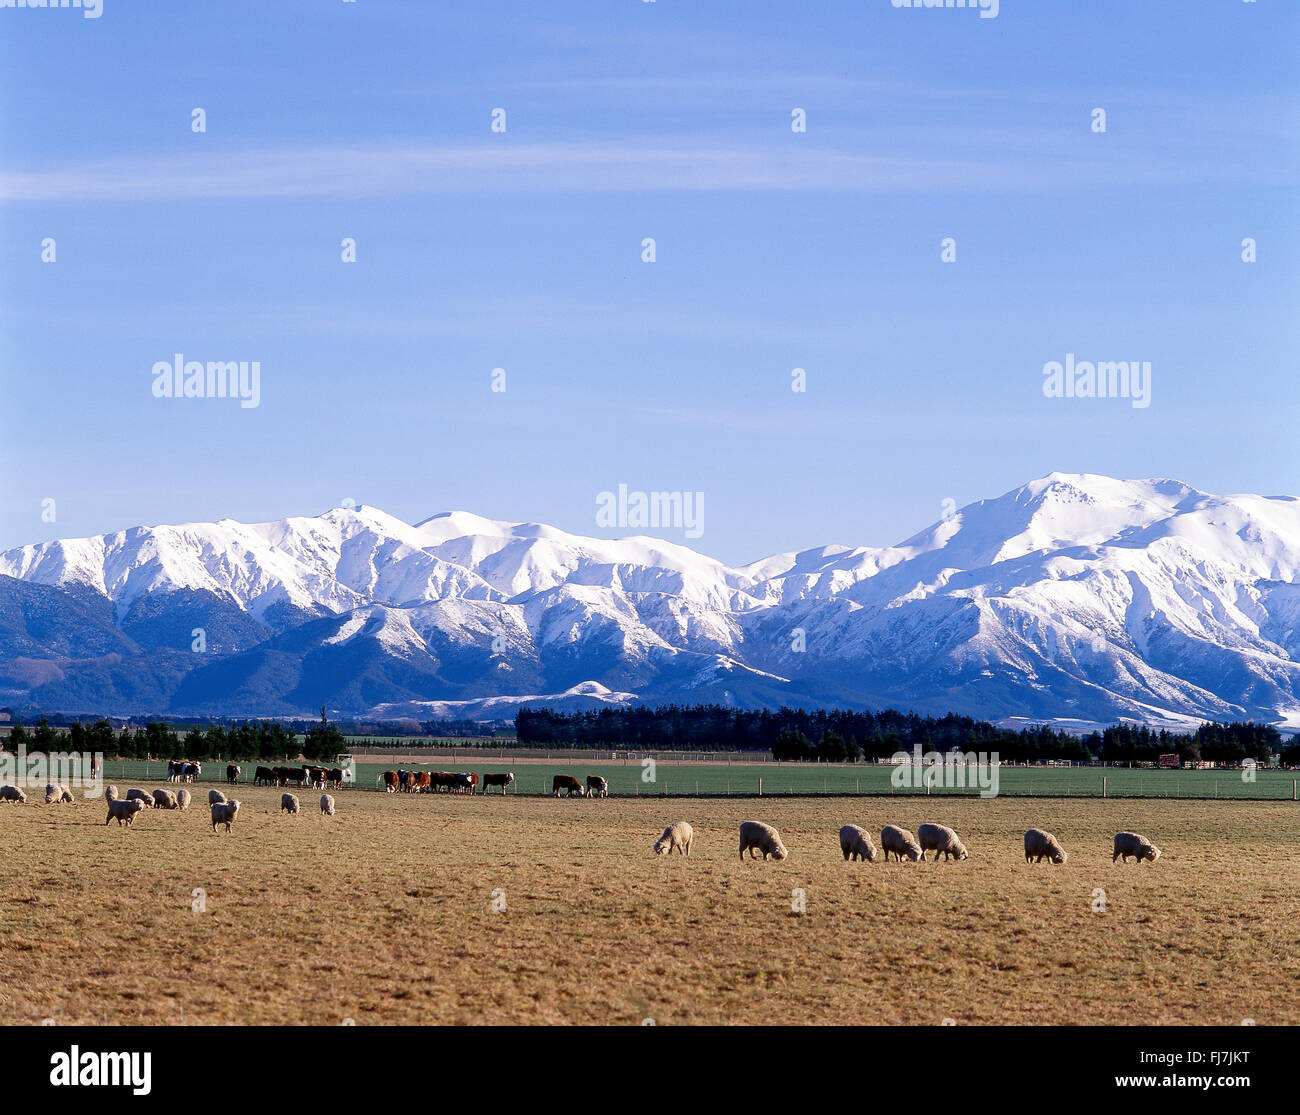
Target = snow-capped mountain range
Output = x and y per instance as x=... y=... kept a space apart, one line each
x=1073 y=597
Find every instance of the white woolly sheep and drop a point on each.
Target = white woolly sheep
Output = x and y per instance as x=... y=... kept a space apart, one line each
x=182 y=799
x=124 y=810
x=1134 y=844
x=164 y=799
x=216 y=797
x=326 y=805
x=940 y=838
x=58 y=795
x=856 y=843
x=677 y=835
x=756 y=836
x=12 y=793
x=1039 y=844
x=110 y=792
x=289 y=803
x=900 y=842
x=137 y=794
x=223 y=812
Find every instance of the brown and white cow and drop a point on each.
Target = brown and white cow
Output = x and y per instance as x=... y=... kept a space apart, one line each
x=423 y=782
x=389 y=781
x=566 y=782
x=232 y=772
x=502 y=780
x=597 y=787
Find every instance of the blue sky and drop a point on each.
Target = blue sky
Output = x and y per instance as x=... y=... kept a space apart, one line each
x=522 y=250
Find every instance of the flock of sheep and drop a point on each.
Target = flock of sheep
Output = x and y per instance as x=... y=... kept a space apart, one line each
x=124 y=809
x=755 y=836
x=856 y=843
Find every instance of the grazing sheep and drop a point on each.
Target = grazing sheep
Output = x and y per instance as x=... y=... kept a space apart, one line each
x=110 y=793
x=12 y=793
x=164 y=799
x=754 y=835
x=289 y=803
x=58 y=795
x=677 y=835
x=124 y=810
x=1039 y=844
x=901 y=843
x=182 y=799
x=216 y=797
x=223 y=812
x=856 y=843
x=1133 y=844
x=940 y=838
x=326 y=805
x=136 y=794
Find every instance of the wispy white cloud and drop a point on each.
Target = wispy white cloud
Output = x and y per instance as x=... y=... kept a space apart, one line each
x=361 y=170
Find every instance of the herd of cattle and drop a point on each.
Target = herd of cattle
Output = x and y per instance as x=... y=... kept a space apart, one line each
x=856 y=843
x=445 y=782
x=320 y=778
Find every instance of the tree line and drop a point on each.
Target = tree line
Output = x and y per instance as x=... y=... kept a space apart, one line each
x=254 y=740
x=842 y=735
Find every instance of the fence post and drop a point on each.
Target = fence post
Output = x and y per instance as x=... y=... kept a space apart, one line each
x=760 y=785
x=1103 y=785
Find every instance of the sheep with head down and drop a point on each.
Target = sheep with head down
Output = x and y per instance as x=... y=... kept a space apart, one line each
x=677 y=836
x=326 y=805
x=164 y=799
x=58 y=795
x=289 y=803
x=1136 y=845
x=123 y=810
x=755 y=836
x=940 y=838
x=182 y=799
x=14 y=794
x=137 y=794
x=1040 y=844
x=901 y=843
x=216 y=797
x=856 y=844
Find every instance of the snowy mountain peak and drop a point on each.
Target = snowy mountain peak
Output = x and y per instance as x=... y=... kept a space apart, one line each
x=1073 y=595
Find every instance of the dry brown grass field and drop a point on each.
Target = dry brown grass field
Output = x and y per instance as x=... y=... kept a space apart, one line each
x=383 y=915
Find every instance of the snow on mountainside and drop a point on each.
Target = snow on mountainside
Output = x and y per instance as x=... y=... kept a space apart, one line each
x=1073 y=596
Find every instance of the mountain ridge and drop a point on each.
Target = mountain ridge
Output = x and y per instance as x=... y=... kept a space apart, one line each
x=1074 y=596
